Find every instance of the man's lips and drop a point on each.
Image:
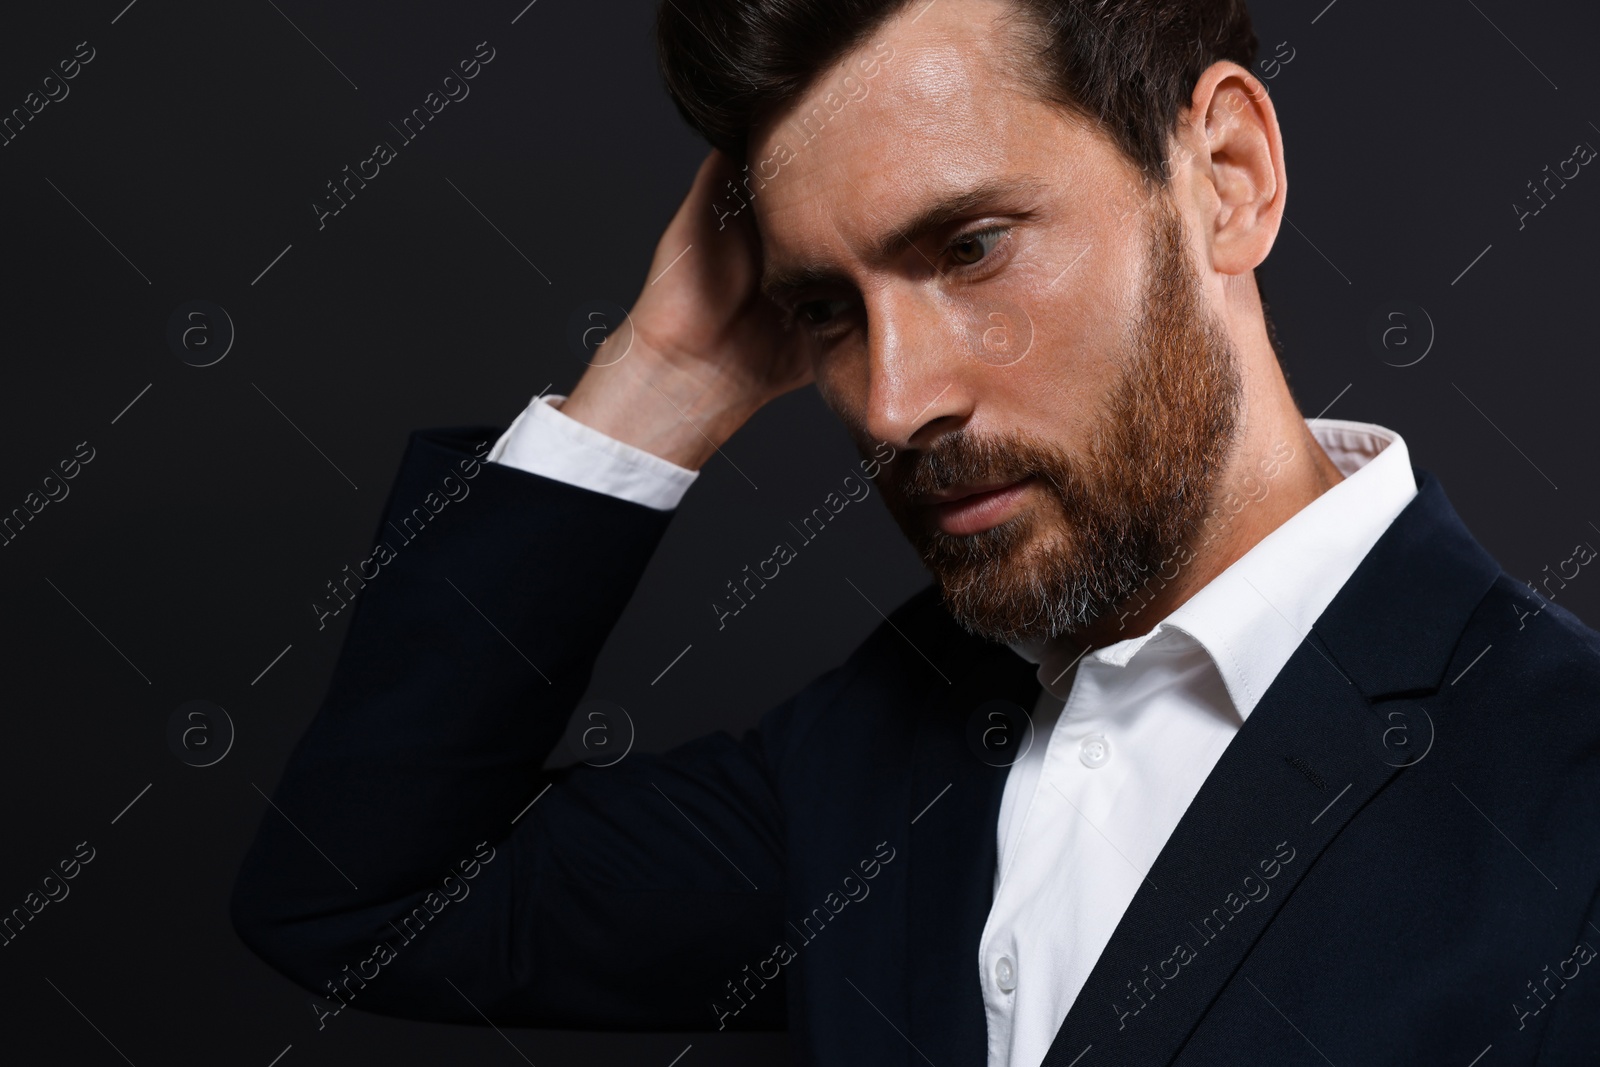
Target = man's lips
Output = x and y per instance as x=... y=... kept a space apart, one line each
x=970 y=509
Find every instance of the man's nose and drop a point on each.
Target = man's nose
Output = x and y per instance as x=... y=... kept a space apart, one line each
x=918 y=379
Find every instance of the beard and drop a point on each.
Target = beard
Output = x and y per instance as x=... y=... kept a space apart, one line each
x=1112 y=516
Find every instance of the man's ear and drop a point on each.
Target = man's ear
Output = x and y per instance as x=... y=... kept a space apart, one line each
x=1236 y=177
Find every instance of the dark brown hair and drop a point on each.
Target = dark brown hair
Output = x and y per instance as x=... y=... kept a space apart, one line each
x=1129 y=65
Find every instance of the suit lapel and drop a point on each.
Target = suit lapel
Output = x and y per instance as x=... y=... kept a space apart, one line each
x=1260 y=820
x=1254 y=829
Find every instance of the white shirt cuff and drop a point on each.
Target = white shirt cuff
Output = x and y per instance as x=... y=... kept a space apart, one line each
x=544 y=441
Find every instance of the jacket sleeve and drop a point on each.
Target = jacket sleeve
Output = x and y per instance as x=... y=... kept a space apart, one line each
x=1572 y=1032
x=400 y=867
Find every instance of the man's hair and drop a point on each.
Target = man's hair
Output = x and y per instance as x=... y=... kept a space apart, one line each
x=1128 y=65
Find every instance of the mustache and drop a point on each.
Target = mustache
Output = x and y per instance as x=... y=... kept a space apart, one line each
x=961 y=458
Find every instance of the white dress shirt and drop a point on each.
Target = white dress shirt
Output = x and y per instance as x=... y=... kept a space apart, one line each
x=1123 y=736
x=544 y=441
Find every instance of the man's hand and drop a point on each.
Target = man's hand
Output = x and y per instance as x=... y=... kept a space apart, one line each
x=707 y=348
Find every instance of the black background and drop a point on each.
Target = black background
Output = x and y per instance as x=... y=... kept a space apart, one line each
x=188 y=553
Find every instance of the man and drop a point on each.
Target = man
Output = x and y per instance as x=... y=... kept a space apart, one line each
x=1306 y=776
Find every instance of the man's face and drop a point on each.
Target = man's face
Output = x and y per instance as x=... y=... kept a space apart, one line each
x=987 y=285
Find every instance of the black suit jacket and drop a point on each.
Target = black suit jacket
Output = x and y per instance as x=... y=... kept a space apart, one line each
x=1395 y=860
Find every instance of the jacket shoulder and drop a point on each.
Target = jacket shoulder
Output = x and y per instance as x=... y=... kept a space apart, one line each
x=1541 y=638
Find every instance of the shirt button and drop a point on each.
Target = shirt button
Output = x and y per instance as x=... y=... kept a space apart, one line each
x=1094 y=751
x=1005 y=974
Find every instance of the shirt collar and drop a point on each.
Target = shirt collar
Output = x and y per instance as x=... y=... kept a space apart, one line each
x=1251 y=617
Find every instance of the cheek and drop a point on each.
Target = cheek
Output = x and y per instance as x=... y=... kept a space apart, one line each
x=1095 y=304
x=1071 y=283
x=840 y=375
x=1074 y=327
x=1080 y=336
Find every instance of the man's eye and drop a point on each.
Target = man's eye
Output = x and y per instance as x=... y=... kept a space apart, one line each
x=820 y=312
x=969 y=248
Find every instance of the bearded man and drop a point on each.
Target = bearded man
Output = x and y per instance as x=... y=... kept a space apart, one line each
x=1218 y=739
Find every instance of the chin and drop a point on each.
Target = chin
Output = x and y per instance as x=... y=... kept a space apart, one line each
x=1020 y=586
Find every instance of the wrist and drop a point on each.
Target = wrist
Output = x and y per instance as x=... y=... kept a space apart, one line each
x=666 y=411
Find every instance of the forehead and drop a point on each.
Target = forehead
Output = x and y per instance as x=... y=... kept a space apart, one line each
x=929 y=107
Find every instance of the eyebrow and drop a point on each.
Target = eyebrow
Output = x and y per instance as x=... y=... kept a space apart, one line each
x=778 y=282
